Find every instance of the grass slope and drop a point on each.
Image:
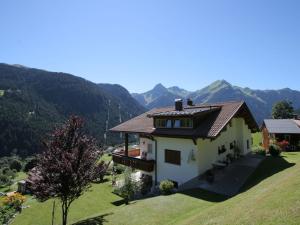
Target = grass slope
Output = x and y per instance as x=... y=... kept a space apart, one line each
x=98 y=199
x=275 y=198
x=271 y=196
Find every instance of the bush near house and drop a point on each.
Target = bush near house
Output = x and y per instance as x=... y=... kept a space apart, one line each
x=166 y=187
x=274 y=150
x=128 y=187
x=259 y=150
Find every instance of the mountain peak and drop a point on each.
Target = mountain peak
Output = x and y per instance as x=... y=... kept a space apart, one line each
x=221 y=83
x=179 y=91
x=159 y=87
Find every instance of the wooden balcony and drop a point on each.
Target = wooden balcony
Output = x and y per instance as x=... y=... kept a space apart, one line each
x=136 y=163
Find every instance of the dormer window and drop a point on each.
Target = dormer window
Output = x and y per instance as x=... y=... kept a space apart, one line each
x=174 y=123
x=177 y=124
x=169 y=123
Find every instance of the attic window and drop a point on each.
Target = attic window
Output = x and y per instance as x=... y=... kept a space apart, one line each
x=169 y=123
x=174 y=123
x=159 y=123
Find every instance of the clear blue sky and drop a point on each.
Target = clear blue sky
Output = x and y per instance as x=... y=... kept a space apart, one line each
x=140 y=43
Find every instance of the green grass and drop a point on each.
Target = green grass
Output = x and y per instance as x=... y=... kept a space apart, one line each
x=257 y=139
x=1 y=93
x=98 y=199
x=270 y=196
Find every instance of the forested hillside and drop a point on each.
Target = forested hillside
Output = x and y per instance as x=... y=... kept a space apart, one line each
x=33 y=101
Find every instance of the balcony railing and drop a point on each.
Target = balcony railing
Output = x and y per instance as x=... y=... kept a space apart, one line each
x=136 y=163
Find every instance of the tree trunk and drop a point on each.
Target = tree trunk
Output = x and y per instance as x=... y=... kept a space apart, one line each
x=53 y=211
x=65 y=210
x=126 y=201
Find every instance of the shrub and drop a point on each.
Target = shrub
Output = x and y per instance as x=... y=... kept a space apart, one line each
x=129 y=186
x=15 y=165
x=119 y=168
x=10 y=173
x=146 y=184
x=274 y=150
x=6 y=213
x=15 y=200
x=259 y=150
x=166 y=187
x=5 y=180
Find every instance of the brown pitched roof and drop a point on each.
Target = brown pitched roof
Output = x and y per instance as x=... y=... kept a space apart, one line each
x=209 y=127
x=188 y=111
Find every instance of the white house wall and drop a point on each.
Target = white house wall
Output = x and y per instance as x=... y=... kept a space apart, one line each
x=179 y=173
x=208 y=149
x=205 y=152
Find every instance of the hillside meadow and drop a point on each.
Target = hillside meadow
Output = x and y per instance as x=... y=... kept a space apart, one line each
x=271 y=196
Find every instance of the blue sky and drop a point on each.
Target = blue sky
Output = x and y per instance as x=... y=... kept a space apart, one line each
x=141 y=43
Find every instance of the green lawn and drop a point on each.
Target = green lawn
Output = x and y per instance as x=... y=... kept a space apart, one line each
x=271 y=196
x=257 y=139
x=93 y=202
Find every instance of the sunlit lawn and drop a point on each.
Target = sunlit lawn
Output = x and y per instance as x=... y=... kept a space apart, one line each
x=271 y=196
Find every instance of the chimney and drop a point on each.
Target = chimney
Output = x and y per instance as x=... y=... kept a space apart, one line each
x=189 y=102
x=178 y=105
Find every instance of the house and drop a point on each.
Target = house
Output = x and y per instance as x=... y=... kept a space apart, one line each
x=281 y=129
x=180 y=143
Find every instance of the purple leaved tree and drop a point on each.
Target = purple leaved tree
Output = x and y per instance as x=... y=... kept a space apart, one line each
x=67 y=167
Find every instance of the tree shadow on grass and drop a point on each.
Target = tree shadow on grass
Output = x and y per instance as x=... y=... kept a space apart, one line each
x=121 y=202
x=269 y=166
x=205 y=195
x=98 y=220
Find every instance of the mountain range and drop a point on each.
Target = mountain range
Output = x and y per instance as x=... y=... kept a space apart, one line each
x=33 y=102
x=259 y=101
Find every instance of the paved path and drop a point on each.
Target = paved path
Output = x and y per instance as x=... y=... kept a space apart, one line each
x=228 y=181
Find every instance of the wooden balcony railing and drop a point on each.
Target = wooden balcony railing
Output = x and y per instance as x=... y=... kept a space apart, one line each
x=136 y=163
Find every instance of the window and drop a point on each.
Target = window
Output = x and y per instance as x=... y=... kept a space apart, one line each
x=149 y=148
x=169 y=123
x=172 y=156
x=177 y=124
x=248 y=145
x=231 y=145
x=174 y=123
x=160 y=123
x=186 y=123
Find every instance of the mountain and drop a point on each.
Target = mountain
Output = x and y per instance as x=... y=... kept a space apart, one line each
x=33 y=102
x=179 y=91
x=160 y=96
x=259 y=101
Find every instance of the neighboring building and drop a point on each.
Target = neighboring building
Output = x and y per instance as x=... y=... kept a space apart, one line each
x=281 y=129
x=180 y=143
